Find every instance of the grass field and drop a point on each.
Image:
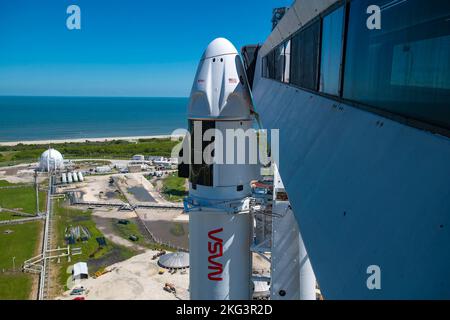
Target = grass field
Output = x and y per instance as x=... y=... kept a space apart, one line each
x=6 y=157
x=97 y=257
x=125 y=231
x=22 y=244
x=15 y=286
x=4 y=183
x=21 y=199
x=174 y=188
x=118 y=149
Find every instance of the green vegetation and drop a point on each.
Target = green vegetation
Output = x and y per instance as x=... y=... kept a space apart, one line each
x=126 y=230
x=174 y=188
x=22 y=199
x=6 y=156
x=117 y=149
x=4 y=183
x=177 y=230
x=15 y=286
x=22 y=243
x=96 y=256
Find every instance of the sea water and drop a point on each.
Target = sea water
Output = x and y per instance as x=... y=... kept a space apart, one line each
x=55 y=118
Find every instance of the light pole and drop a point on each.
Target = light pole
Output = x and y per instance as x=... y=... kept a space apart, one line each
x=14 y=264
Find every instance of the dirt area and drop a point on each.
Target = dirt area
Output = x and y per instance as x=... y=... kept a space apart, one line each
x=89 y=164
x=172 y=233
x=170 y=226
x=141 y=194
x=113 y=213
x=167 y=225
x=137 y=180
x=18 y=174
x=135 y=279
x=98 y=188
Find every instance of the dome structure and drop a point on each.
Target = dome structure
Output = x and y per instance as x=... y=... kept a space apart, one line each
x=219 y=47
x=176 y=260
x=50 y=160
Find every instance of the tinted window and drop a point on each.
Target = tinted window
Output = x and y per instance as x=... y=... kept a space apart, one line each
x=271 y=65
x=331 y=53
x=403 y=68
x=265 y=72
x=279 y=63
x=304 y=57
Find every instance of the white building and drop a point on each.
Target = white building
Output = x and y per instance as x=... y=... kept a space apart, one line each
x=138 y=157
x=167 y=163
x=103 y=169
x=50 y=160
x=80 y=271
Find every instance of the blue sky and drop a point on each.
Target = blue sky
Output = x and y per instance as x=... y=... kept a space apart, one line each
x=124 y=48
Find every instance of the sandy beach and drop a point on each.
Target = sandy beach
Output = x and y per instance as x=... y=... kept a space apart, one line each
x=81 y=140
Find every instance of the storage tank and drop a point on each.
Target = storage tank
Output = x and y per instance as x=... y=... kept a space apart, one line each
x=64 y=178
x=69 y=177
x=51 y=160
x=74 y=177
x=80 y=177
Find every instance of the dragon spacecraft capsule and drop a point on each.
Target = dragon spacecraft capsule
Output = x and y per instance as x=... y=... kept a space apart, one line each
x=220 y=225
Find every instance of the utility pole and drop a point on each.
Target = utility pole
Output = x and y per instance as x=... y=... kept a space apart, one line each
x=14 y=264
x=37 y=192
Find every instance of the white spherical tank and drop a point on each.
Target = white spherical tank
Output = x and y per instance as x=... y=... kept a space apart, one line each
x=220 y=112
x=51 y=160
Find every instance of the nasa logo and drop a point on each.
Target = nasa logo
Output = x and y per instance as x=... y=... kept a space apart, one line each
x=215 y=249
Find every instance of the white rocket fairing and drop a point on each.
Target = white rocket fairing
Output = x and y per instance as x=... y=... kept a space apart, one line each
x=220 y=223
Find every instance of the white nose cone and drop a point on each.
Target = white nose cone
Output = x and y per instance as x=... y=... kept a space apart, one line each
x=220 y=90
x=219 y=47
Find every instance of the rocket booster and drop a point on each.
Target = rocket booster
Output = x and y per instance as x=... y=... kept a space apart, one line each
x=220 y=225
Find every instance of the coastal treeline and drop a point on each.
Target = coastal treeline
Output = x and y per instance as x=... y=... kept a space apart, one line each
x=116 y=149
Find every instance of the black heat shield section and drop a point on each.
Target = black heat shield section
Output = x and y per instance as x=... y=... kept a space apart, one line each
x=183 y=168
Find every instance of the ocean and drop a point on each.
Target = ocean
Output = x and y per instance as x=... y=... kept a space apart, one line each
x=55 y=118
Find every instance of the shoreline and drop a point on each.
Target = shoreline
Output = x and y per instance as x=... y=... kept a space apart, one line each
x=83 y=140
